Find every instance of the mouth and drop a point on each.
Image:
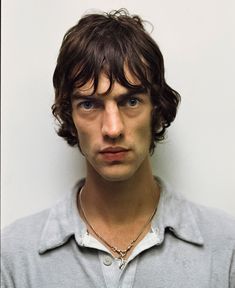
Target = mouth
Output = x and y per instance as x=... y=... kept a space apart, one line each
x=114 y=153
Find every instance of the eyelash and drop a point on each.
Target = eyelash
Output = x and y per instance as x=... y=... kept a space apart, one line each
x=131 y=99
x=95 y=104
x=81 y=104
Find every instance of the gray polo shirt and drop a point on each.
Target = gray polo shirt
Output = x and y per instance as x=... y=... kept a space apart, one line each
x=188 y=246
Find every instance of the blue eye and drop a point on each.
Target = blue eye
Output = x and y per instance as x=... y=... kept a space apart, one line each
x=86 y=105
x=133 y=102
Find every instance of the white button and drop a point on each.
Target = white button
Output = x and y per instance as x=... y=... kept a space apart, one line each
x=107 y=260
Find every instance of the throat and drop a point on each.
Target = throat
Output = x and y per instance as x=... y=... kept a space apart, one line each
x=120 y=203
x=121 y=236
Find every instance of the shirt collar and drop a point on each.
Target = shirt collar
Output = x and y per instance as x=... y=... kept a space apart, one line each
x=63 y=223
x=173 y=213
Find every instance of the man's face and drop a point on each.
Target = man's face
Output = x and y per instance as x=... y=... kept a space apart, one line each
x=114 y=130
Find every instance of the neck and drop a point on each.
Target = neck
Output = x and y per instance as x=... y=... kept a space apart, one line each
x=120 y=202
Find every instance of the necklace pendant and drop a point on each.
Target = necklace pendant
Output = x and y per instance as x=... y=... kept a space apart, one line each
x=122 y=263
x=122 y=254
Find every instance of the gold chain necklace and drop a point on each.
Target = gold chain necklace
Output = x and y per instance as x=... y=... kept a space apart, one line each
x=122 y=253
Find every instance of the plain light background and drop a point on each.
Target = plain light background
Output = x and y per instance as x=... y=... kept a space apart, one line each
x=198 y=44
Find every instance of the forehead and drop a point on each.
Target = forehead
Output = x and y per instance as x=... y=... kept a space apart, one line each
x=104 y=85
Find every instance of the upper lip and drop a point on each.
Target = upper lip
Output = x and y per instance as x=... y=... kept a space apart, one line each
x=115 y=149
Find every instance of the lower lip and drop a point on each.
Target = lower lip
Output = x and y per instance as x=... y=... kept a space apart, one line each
x=114 y=156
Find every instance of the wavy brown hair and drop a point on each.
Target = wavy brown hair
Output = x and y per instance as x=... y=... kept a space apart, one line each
x=107 y=43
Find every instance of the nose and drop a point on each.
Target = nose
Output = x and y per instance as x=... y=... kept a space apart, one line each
x=112 y=124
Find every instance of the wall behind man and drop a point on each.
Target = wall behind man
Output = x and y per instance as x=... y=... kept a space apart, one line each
x=198 y=43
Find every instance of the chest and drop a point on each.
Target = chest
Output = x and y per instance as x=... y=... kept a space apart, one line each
x=173 y=263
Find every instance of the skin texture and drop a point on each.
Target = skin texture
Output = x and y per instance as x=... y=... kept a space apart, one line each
x=113 y=131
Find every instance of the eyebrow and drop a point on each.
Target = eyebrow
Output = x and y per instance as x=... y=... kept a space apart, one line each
x=122 y=96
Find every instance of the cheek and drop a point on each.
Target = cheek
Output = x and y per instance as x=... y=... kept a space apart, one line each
x=80 y=125
x=140 y=132
x=83 y=135
x=144 y=127
x=81 y=131
x=83 y=140
x=87 y=134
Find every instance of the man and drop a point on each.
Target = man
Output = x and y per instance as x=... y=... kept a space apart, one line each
x=121 y=226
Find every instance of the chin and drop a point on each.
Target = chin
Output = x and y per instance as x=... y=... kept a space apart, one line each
x=116 y=175
x=115 y=178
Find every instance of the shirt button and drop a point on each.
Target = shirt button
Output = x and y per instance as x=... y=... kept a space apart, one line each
x=107 y=260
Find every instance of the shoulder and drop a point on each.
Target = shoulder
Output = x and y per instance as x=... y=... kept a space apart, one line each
x=24 y=233
x=216 y=226
x=19 y=245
